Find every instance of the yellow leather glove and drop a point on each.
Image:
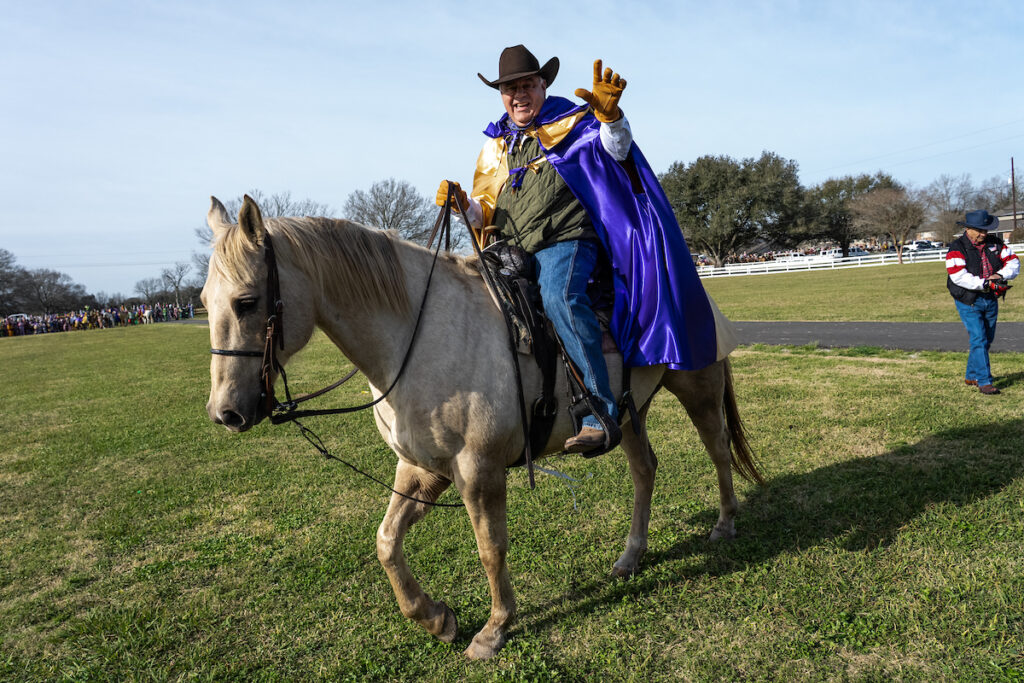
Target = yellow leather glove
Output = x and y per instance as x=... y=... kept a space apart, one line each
x=462 y=202
x=604 y=99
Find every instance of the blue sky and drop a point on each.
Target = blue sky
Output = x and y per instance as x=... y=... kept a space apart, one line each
x=120 y=119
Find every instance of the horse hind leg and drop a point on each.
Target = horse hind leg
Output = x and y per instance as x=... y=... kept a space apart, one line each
x=643 y=465
x=704 y=395
x=434 y=616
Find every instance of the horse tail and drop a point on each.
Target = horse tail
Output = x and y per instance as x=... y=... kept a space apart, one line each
x=743 y=460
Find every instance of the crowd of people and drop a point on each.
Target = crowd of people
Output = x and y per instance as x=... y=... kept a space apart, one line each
x=761 y=257
x=750 y=257
x=94 y=319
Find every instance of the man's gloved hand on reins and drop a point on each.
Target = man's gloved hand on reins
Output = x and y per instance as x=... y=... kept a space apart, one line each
x=462 y=200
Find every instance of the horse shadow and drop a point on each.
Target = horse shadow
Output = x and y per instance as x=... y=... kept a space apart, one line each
x=859 y=505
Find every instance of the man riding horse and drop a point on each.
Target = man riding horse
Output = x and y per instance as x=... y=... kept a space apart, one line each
x=564 y=182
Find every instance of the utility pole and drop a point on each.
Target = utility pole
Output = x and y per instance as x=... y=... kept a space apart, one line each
x=1013 y=190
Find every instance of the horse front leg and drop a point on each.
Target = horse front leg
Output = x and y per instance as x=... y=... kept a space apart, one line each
x=643 y=465
x=484 y=494
x=435 y=616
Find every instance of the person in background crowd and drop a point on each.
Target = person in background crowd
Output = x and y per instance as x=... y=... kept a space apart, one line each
x=978 y=265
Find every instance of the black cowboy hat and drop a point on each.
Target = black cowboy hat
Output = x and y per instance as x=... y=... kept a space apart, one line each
x=978 y=220
x=517 y=62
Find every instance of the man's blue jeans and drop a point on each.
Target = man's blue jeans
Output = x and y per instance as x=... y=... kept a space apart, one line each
x=980 y=321
x=564 y=269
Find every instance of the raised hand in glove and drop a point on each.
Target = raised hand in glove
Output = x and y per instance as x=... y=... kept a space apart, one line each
x=604 y=99
x=462 y=201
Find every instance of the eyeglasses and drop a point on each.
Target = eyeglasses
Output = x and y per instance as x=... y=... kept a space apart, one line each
x=516 y=86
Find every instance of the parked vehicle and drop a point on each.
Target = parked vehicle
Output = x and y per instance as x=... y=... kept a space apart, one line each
x=916 y=245
x=836 y=252
x=790 y=256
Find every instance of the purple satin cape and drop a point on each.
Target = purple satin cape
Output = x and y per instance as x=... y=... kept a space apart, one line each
x=661 y=311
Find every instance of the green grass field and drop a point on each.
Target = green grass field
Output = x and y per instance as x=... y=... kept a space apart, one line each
x=141 y=542
x=913 y=292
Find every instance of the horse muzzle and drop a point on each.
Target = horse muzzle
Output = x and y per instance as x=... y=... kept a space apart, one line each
x=236 y=418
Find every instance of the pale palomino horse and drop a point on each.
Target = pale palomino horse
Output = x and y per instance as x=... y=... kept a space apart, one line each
x=453 y=416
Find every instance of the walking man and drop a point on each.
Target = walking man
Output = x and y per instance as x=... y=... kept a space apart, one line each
x=979 y=264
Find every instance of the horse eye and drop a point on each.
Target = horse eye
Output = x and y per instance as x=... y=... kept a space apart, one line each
x=246 y=305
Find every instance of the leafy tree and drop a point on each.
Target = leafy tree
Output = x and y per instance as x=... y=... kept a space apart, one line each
x=828 y=211
x=396 y=205
x=11 y=275
x=50 y=291
x=895 y=212
x=724 y=205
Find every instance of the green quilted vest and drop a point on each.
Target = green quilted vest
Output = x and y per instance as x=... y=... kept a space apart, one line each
x=543 y=210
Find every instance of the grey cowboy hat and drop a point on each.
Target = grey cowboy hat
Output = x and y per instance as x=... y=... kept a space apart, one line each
x=517 y=62
x=978 y=220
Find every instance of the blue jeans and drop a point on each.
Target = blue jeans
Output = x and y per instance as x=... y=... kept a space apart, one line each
x=980 y=321
x=564 y=270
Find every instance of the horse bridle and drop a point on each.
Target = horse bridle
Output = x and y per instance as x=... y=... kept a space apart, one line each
x=278 y=412
x=274 y=333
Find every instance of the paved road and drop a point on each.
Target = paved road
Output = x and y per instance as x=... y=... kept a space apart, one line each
x=906 y=336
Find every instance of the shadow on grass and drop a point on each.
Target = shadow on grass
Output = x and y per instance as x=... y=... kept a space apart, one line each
x=1008 y=380
x=858 y=505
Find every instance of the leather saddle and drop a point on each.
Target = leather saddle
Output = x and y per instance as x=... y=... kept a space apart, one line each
x=513 y=271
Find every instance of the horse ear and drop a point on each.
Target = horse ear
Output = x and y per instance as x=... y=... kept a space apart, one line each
x=251 y=221
x=217 y=217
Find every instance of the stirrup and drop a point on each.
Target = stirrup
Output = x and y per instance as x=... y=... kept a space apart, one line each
x=612 y=438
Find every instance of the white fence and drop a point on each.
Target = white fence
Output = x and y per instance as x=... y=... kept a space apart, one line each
x=798 y=263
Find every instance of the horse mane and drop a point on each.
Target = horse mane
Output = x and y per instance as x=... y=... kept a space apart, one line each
x=343 y=259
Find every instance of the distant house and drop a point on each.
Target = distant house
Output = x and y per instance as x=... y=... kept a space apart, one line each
x=1004 y=228
x=1006 y=222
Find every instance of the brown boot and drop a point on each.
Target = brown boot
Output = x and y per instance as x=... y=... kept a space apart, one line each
x=587 y=440
x=988 y=389
x=971 y=382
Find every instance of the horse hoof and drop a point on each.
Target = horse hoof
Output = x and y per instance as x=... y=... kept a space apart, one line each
x=450 y=627
x=479 y=649
x=623 y=572
x=720 y=535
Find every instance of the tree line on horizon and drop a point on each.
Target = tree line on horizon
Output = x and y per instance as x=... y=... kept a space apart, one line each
x=724 y=206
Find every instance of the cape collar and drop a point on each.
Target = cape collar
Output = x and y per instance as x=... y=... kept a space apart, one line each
x=553 y=110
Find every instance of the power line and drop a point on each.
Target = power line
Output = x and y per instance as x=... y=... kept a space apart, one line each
x=931 y=144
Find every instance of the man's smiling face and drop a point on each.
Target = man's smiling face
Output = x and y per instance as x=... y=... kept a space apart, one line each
x=523 y=98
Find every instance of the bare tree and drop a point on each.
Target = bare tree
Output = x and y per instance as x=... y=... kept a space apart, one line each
x=897 y=213
x=173 y=277
x=271 y=206
x=948 y=194
x=201 y=262
x=395 y=205
x=148 y=288
x=996 y=194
